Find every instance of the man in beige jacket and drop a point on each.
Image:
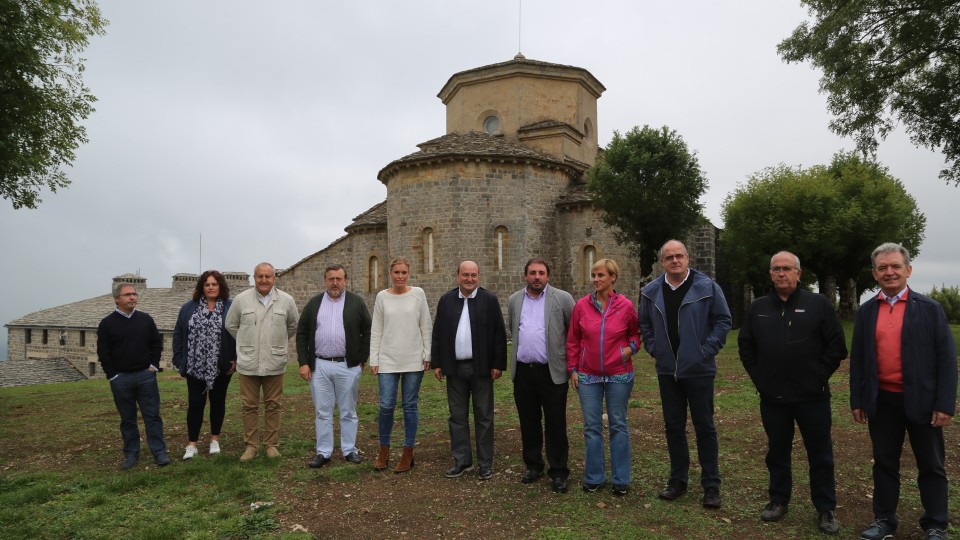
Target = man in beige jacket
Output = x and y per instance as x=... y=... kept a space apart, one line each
x=263 y=320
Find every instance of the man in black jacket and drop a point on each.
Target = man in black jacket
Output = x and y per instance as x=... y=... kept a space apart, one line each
x=129 y=347
x=470 y=349
x=791 y=343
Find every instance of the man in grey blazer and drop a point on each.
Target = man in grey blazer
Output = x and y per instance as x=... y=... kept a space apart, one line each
x=539 y=316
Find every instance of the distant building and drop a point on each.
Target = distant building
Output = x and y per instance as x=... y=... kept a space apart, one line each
x=505 y=183
x=70 y=331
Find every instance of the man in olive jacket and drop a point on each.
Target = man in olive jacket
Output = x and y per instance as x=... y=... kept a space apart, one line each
x=333 y=344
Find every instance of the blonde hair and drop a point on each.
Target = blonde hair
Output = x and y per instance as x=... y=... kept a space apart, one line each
x=399 y=260
x=609 y=265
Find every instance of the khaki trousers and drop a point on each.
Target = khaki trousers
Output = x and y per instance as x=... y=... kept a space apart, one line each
x=250 y=386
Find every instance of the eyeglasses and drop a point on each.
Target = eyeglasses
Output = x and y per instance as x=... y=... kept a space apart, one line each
x=778 y=269
x=678 y=256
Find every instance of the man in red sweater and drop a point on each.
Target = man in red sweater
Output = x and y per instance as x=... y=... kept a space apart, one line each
x=903 y=380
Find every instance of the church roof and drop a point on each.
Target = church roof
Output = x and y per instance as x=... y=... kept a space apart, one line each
x=577 y=193
x=376 y=216
x=471 y=144
x=520 y=65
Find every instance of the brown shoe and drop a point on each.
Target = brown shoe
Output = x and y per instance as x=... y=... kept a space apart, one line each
x=272 y=452
x=406 y=460
x=383 y=458
x=249 y=453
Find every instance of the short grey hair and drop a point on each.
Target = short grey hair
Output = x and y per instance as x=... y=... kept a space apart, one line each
x=660 y=251
x=118 y=288
x=889 y=247
x=796 y=260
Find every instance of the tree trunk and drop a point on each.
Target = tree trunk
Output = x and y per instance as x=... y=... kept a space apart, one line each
x=849 y=302
x=828 y=288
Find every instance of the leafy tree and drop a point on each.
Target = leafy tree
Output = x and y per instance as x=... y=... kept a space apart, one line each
x=949 y=298
x=42 y=95
x=885 y=61
x=649 y=184
x=832 y=217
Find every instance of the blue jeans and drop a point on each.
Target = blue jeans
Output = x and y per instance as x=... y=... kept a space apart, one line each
x=591 y=402
x=675 y=396
x=410 y=383
x=129 y=391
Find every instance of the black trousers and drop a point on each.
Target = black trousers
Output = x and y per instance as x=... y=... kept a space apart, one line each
x=887 y=429
x=463 y=387
x=814 y=420
x=542 y=408
x=197 y=402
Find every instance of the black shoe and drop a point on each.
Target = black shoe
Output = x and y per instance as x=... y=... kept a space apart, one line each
x=590 y=488
x=934 y=534
x=880 y=529
x=773 y=512
x=827 y=522
x=318 y=461
x=162 y=460
x=129 y=462
x=711 y=497
x=559 y=485
x=531 y=476
x=673 y=490
x=457 y=470
x=485 y=473
x=620 y=490
x=352 y=457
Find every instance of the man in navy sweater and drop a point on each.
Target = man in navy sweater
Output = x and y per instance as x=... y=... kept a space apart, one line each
x=129 y=346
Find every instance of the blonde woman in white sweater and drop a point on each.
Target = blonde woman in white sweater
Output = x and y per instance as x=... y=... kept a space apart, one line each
x=399 y=354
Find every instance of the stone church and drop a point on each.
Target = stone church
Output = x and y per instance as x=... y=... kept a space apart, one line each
x=503 y=184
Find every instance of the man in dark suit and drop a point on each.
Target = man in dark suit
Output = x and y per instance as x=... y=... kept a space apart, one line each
x=539 y=317
x=470 y=349
x=903 y=378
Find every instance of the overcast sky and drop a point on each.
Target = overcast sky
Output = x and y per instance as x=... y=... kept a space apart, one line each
x=262 y=126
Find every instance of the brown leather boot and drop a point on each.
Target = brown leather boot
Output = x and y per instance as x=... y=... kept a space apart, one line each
x=406 y=461
x=383 y=458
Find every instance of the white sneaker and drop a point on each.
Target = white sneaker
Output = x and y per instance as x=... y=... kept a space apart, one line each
x=191 y=451
x=214 y=447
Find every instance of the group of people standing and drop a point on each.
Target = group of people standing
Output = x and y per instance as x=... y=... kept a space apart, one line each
x=903 y=372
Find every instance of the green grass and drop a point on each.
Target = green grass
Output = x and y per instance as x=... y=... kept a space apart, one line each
x=60 y=448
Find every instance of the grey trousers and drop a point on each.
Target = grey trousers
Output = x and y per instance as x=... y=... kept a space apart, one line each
x=461 y=386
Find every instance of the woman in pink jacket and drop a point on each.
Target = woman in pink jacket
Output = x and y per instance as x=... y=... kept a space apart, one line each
x=602 y=340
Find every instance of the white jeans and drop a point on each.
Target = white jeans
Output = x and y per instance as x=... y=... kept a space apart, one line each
x=334 y=382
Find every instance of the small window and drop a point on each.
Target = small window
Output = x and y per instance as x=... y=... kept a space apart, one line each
x=491 y=125
x=428 y=260
x=92 y=369
x=45 y=337
x=27 y=336
x=63 y=338
x=500 y=242
x=589 y=257
x=83 y=338
x=373 y=275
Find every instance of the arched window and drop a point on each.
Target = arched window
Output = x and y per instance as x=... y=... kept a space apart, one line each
x=500 y=247
x=428 y=260
x=589 y=257
x=373 y=275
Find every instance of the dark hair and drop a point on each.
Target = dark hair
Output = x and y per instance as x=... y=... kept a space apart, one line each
x=335 y=267
x=536 y=260
x=224 y=289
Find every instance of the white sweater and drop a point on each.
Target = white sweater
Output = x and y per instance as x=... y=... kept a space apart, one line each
x=401 y=333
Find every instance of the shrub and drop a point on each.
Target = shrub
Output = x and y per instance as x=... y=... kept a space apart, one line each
x=949 y=298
